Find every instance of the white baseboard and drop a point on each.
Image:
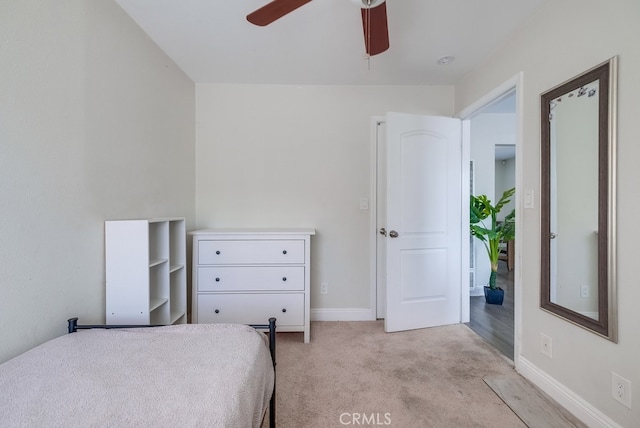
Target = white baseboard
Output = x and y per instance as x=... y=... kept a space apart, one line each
x=477 y=291
x=568 y=399
x=340 y=314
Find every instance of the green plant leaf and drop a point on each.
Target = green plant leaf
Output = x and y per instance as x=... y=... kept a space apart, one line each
x=505 y=199
x=480 y=209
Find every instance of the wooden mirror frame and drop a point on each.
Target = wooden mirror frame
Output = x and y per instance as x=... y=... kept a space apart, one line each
x=606 y=324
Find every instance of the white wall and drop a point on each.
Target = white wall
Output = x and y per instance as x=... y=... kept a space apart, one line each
x=505 y=179
x=96 y=123
x=563 y=39
x=300 y=156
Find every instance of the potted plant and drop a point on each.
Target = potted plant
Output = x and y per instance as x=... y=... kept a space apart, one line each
x=492 y=234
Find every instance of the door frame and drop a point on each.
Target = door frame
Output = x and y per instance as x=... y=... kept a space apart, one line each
x=508 y=86
x=377 y=305
x=512 y=85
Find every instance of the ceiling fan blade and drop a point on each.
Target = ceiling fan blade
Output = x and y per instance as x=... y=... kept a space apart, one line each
x=274 y=10
x=376 y=31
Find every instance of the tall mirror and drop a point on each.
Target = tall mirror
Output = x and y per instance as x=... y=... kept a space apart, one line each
x=578 y=153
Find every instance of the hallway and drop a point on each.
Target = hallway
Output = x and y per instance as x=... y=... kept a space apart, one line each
x=494 y=323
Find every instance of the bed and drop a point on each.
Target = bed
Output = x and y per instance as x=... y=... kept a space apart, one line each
x=190 y=375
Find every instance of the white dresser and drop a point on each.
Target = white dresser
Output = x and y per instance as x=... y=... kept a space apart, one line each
x=249 y=275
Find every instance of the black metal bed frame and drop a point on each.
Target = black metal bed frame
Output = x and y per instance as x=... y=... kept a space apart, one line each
x=73 y=326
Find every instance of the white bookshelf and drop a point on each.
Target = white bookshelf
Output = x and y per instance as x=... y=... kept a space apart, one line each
x=145 y=264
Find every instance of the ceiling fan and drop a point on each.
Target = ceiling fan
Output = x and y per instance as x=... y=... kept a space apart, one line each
x=374 y=20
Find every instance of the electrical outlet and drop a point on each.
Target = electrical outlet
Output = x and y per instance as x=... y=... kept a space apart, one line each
x=324 y=288
x=621 y=389
x=584 y=290
x=545 y=345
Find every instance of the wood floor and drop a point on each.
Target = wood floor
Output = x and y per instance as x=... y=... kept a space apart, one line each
x=494 y=323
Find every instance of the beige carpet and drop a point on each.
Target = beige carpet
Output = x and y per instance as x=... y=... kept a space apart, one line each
x=354 y=374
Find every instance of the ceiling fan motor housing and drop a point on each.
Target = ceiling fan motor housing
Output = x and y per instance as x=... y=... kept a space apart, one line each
x=368 y=4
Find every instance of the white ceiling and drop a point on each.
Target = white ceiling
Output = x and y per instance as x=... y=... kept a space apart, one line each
x=322 y=43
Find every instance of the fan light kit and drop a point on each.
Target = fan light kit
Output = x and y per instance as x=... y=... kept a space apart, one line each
x=374 y=20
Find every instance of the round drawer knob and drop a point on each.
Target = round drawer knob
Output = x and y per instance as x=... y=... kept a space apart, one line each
x=218 y=252
x=217 y=279
x=284 y=310
x=284 y=278
x=284 y=251
x=217 y=311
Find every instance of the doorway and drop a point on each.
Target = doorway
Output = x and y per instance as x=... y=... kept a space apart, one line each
x=503 y=163
x=492 y=171
x=508 y=90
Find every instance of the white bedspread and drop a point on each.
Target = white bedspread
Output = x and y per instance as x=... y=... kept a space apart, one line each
x=201 y=375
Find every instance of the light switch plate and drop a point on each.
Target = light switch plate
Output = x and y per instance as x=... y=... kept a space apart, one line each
x=528 y=198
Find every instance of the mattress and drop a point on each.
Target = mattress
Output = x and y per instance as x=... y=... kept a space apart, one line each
x=193 y=375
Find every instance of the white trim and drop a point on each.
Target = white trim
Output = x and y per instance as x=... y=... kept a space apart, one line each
x=465 y=249
x=343 y=314
x=568 y=399
x=517 y=293
x=494 y=95
x=373 y=207
x=513 y=84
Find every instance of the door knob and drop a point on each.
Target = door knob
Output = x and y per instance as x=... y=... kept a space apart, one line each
x=393 y=234
x=552 y=235
x=383 y=231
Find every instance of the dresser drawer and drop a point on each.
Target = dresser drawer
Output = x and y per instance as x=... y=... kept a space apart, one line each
x=220 y=252
x=288 y=309
x=251 y=278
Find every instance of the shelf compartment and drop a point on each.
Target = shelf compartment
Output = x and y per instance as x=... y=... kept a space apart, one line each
x=156 y=262
x=175 y=268
x=158 y=240
x=156 y=303
x=175 y=317
x=177 y=242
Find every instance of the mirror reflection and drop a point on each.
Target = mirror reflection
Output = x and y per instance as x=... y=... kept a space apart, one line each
x=574 y=200
x=577 y=199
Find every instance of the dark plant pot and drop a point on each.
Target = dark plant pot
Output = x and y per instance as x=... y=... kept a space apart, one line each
x=493 y=297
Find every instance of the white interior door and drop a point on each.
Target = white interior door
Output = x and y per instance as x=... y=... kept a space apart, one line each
x=424 y=214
